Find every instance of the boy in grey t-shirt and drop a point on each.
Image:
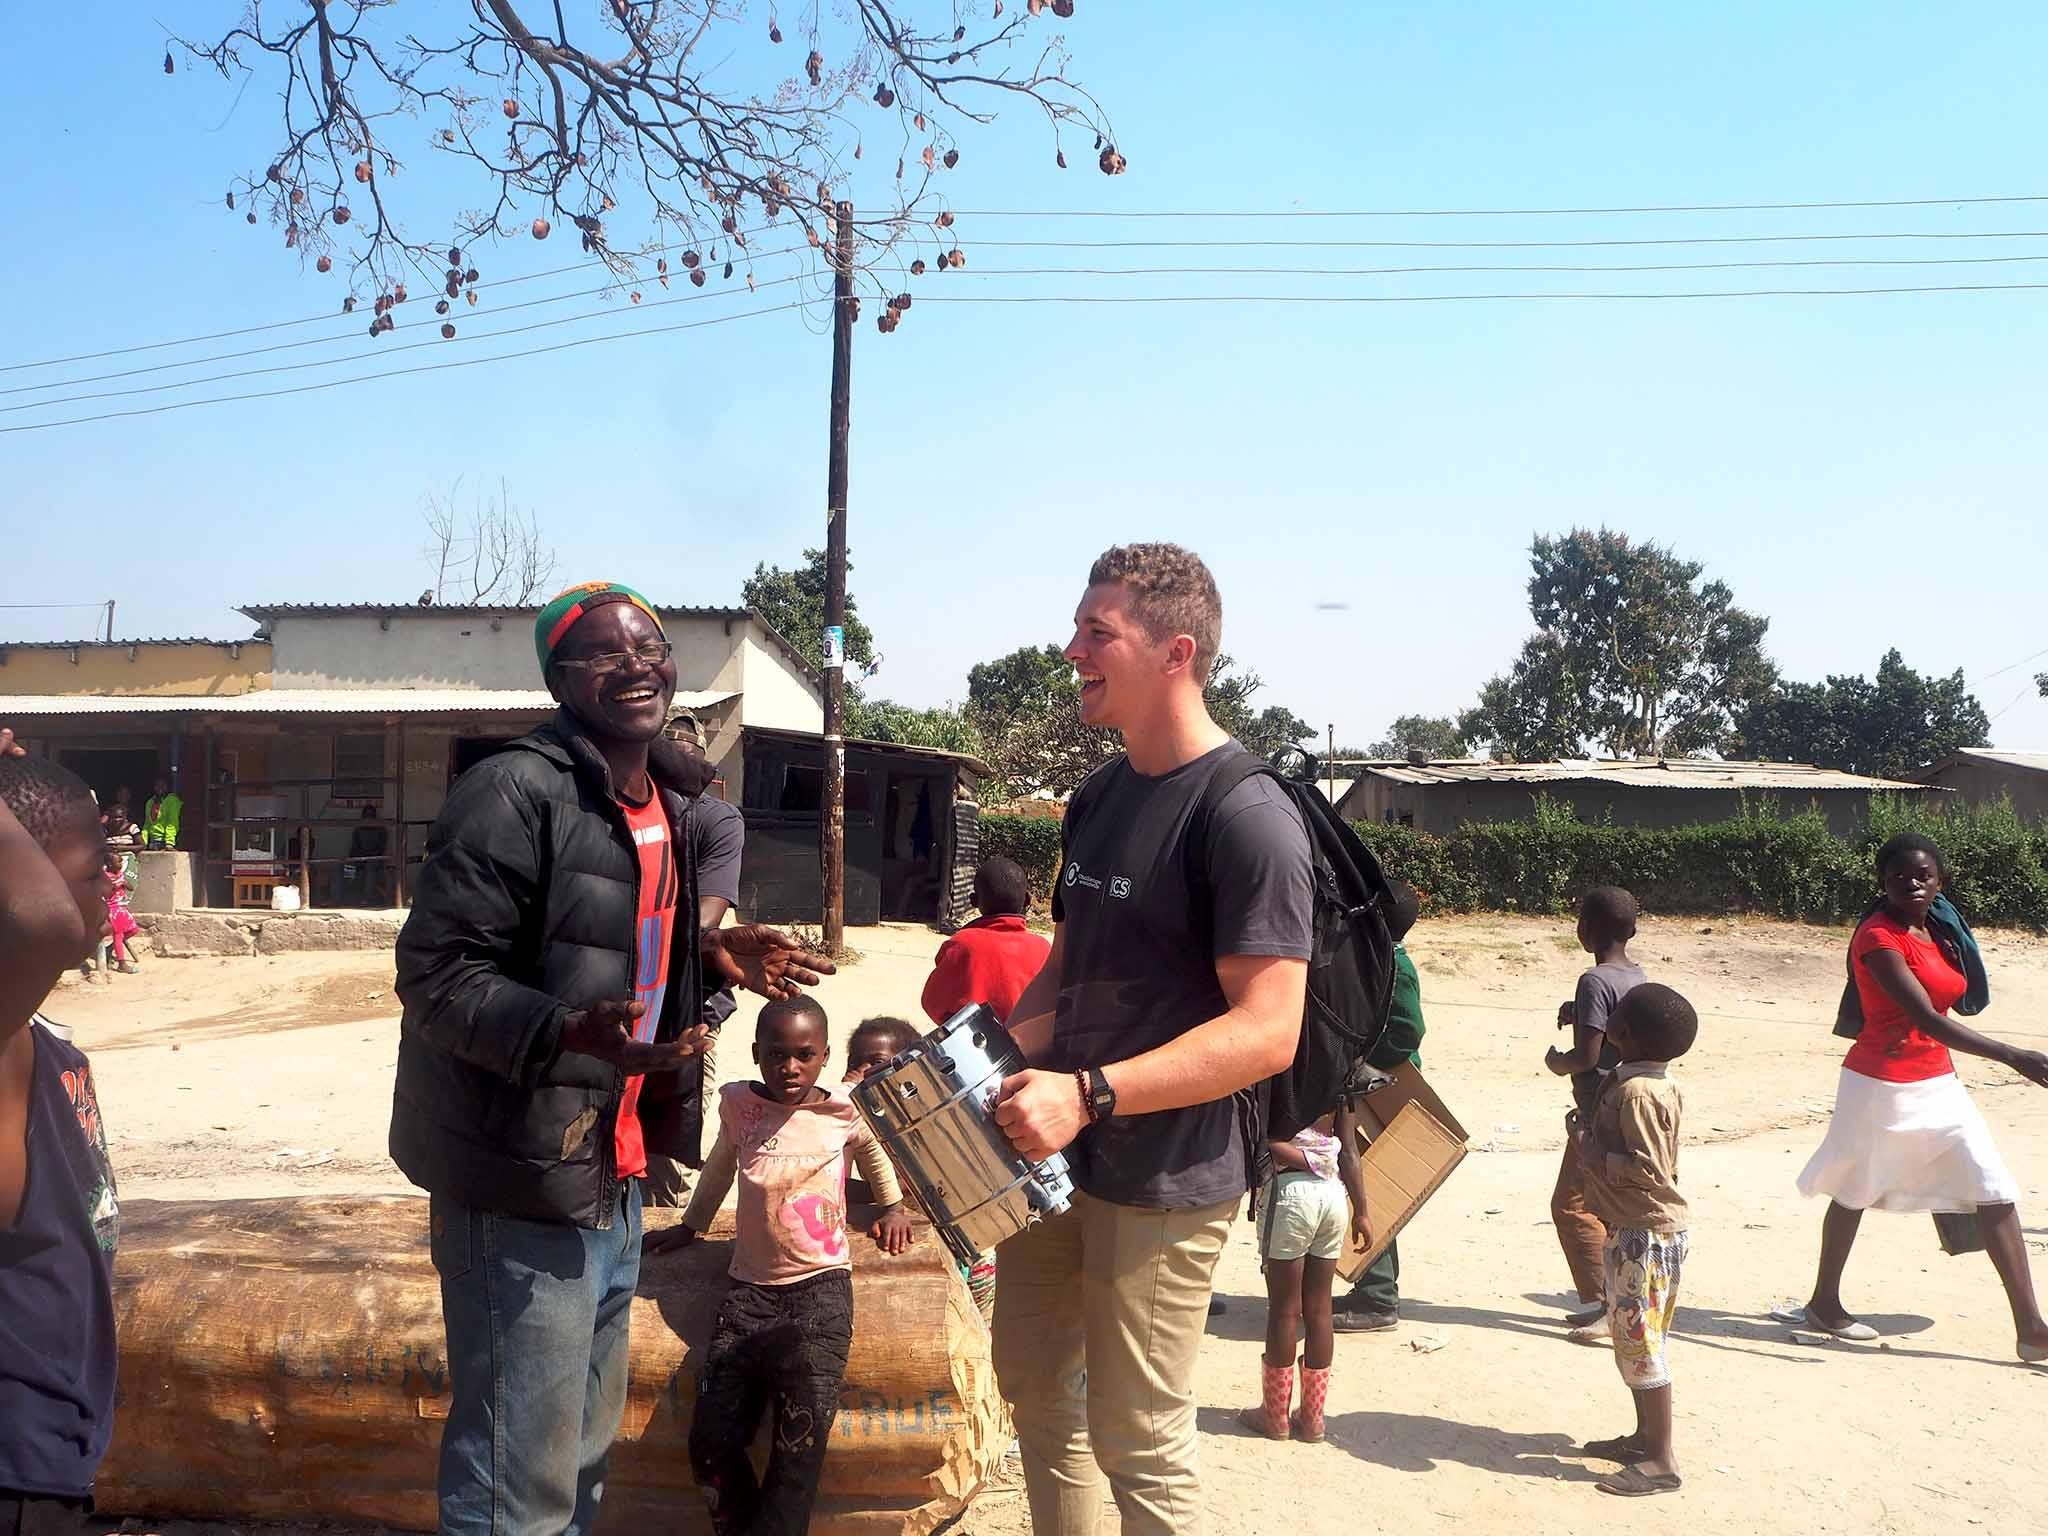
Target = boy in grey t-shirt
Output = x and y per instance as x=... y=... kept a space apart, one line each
x=1607 y=921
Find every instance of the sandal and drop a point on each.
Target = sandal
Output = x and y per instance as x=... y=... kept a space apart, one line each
x=1626 y=1449
x=1848 y=1328
x=1635 y=1483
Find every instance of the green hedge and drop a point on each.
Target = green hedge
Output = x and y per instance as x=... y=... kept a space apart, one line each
x=1785 y=866
x=1033 y=841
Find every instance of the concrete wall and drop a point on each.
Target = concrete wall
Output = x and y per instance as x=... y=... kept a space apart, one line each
x=1984 y=783
x=778 y=694
x=200 y=671
x=426 y=649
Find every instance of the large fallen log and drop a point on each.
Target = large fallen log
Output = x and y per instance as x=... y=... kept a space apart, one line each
x=284 y=1360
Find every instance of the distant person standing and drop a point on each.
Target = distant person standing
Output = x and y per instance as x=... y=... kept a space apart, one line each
x=162 y=815
x=1374 y=1303
x=993 y=959
x=1607 y=922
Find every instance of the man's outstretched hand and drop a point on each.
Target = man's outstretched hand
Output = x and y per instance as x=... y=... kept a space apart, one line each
x=765 y=960
x=605 y=1030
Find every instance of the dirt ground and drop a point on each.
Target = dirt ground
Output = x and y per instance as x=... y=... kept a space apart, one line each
x=272 y=1076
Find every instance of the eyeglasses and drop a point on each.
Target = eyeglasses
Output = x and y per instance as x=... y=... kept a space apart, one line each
x=616 y=661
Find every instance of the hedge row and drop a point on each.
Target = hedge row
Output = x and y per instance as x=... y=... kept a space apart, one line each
x=1783 y=866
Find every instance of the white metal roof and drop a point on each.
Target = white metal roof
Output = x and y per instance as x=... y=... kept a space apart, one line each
x=2038 y=761
x=1643 y=773
x=312 y=701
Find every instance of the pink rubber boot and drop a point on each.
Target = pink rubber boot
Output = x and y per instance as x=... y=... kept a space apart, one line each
x=1276 y=1389
x=1315 y=1392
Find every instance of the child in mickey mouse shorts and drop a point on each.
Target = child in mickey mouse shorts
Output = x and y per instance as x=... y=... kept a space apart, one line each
x=1629 y=1153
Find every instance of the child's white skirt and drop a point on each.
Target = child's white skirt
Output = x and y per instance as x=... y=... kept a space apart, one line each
x=1907 y=1147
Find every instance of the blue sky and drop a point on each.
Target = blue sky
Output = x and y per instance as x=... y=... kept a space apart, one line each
x=1866 y=471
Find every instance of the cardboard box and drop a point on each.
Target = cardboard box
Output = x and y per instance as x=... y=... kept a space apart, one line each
x=1410 y=1143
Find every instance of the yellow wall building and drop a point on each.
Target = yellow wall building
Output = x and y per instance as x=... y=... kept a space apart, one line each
x=135 y=668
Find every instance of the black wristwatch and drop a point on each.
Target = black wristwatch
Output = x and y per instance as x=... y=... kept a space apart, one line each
x=1097 y=1097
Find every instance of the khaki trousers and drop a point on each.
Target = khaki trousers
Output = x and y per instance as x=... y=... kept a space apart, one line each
x=1580 y=1233
x=1100 y=1315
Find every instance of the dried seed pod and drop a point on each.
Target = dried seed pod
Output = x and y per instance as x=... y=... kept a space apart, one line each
x=1111 y=162
x=814 y=66
x=1063 y=8
x=275 y=173
x=231 y=202
x=441 y=305
x=958 y=33
x=774 y=32
x=324 y=264
x=448 y=332
x=661 y=264
x=691 y=258
x=341 y=215
x=452 y=288
x=634 y=296
x=348 y=305
x=252 y=215
x=362 y=170
x=917 y=267
x=945 y=219
x=1060 y=159
x=511 y=107
x=540 y=229
x=398 y=294
x=901 y=301
x=697 y=276
x=952 y=158
x=472 y=298
x=469 y=275
x=956 y=258
x=884 y=97
x=728 y=270
x=454 y=257
x=169 y=67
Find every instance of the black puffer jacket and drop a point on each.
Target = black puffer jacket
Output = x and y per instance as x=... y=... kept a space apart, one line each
x=525 y=909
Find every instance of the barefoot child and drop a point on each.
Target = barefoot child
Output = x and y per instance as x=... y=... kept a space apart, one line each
x=1607 y=921
x=786 y=1324
x=58 y=1228
x=1315 y=1197
x=1628 y=1152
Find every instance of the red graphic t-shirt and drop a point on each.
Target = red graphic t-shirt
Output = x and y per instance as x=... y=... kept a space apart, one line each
x=654 y=927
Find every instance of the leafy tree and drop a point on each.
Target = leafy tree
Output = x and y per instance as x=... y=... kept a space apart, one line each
x=1891 y=727
x=643 y=124
x=1434 y=736
x=1028 y=681
x=1634 y=655
x=794 y=602
x=946 y=727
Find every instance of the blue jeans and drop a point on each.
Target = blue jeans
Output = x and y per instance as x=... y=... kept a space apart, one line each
x=537 y=1316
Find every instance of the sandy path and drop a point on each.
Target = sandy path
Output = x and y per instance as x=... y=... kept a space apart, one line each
x=251 y=1077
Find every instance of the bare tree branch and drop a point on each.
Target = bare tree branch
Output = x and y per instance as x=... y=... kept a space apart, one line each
x=604 y=103
x=496 y=554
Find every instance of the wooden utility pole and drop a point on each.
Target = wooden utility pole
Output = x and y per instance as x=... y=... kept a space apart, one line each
x=832 y=812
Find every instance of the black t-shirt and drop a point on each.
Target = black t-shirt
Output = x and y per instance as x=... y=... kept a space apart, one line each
x=1135 y=972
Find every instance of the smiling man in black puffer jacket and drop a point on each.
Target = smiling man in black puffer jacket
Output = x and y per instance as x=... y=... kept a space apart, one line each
x=550 y=975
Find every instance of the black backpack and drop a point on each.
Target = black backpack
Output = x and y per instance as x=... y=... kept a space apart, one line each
x=1350 y=969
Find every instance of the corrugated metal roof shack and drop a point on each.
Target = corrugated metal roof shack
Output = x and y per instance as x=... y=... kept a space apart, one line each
x=1440 y=797
x=912 y=830
x=322 y=788
x=1986 y=775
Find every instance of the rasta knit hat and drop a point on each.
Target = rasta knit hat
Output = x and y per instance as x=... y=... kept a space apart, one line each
x=571 y=604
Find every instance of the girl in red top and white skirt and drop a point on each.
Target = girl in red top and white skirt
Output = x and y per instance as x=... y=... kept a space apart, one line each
x=1905 y=1135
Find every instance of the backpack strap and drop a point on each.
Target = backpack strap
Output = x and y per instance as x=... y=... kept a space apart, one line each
x=1200 y=830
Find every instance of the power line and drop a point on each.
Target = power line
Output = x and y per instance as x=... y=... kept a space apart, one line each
x=1480 y=213
x=1469 y=245
x=336 y=362
x=353 y=333
x=1459 y=298
x=278 y=325
x=2014 y=667
x=469 y=362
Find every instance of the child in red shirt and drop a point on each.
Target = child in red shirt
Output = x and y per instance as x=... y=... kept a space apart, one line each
x=994 y=958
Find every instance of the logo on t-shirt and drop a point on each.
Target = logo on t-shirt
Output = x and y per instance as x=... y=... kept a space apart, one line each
x=1075 y=877
x=1120 y=886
